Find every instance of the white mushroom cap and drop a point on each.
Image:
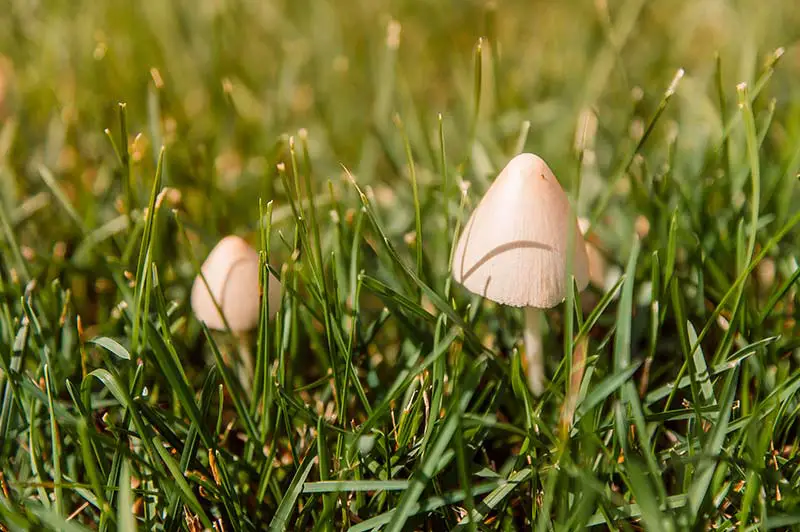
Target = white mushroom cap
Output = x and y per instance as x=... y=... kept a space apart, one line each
x=514 y=248
x=231 y=270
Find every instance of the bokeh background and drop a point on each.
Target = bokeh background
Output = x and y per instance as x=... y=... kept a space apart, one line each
x=219 y=81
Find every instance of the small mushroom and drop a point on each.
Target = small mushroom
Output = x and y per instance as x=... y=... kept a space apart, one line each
x=514 y=249
x=231 y=273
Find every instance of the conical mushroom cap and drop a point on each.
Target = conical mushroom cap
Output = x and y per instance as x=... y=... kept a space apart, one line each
x=514 y=248
x=231 y=270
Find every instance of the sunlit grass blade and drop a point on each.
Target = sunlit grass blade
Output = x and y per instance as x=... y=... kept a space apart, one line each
x=126 y=521
x=344 y=486
x=55 y=448
x=124 y=157
x=701 y=369
x=412 y=171
x=143 y=268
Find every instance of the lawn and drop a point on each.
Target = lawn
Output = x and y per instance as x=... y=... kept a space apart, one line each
x=348 y=142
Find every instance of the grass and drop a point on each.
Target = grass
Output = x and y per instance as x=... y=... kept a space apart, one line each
x=348 y=141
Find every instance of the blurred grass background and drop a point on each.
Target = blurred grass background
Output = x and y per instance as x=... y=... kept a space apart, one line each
x=218 y=83
x=233 y=76
x=222 y=84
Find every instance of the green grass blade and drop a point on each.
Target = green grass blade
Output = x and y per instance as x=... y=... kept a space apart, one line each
x=645 y=497
x=12 y=242
x=178 y=477
x=126 y=521
x=702 y=478
x=701 y=369
x=280 y=521
x=412 y=171
x=112 y=346
x=605 y=388
x=90 y=463
x=55 y=521
x=146 y=257
x=55 y=446
x=344 y=486
x=490 y=502
x=733 y=362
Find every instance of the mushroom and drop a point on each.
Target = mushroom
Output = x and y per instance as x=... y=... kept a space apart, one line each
x=514 y=249
x=232 y=282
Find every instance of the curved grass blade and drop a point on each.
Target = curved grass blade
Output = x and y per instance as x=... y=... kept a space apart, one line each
x=111 y=345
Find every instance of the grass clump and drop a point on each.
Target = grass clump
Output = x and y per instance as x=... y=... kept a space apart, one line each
x=348 y=141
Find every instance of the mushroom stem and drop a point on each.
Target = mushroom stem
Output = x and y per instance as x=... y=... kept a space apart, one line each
x=533 y=349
